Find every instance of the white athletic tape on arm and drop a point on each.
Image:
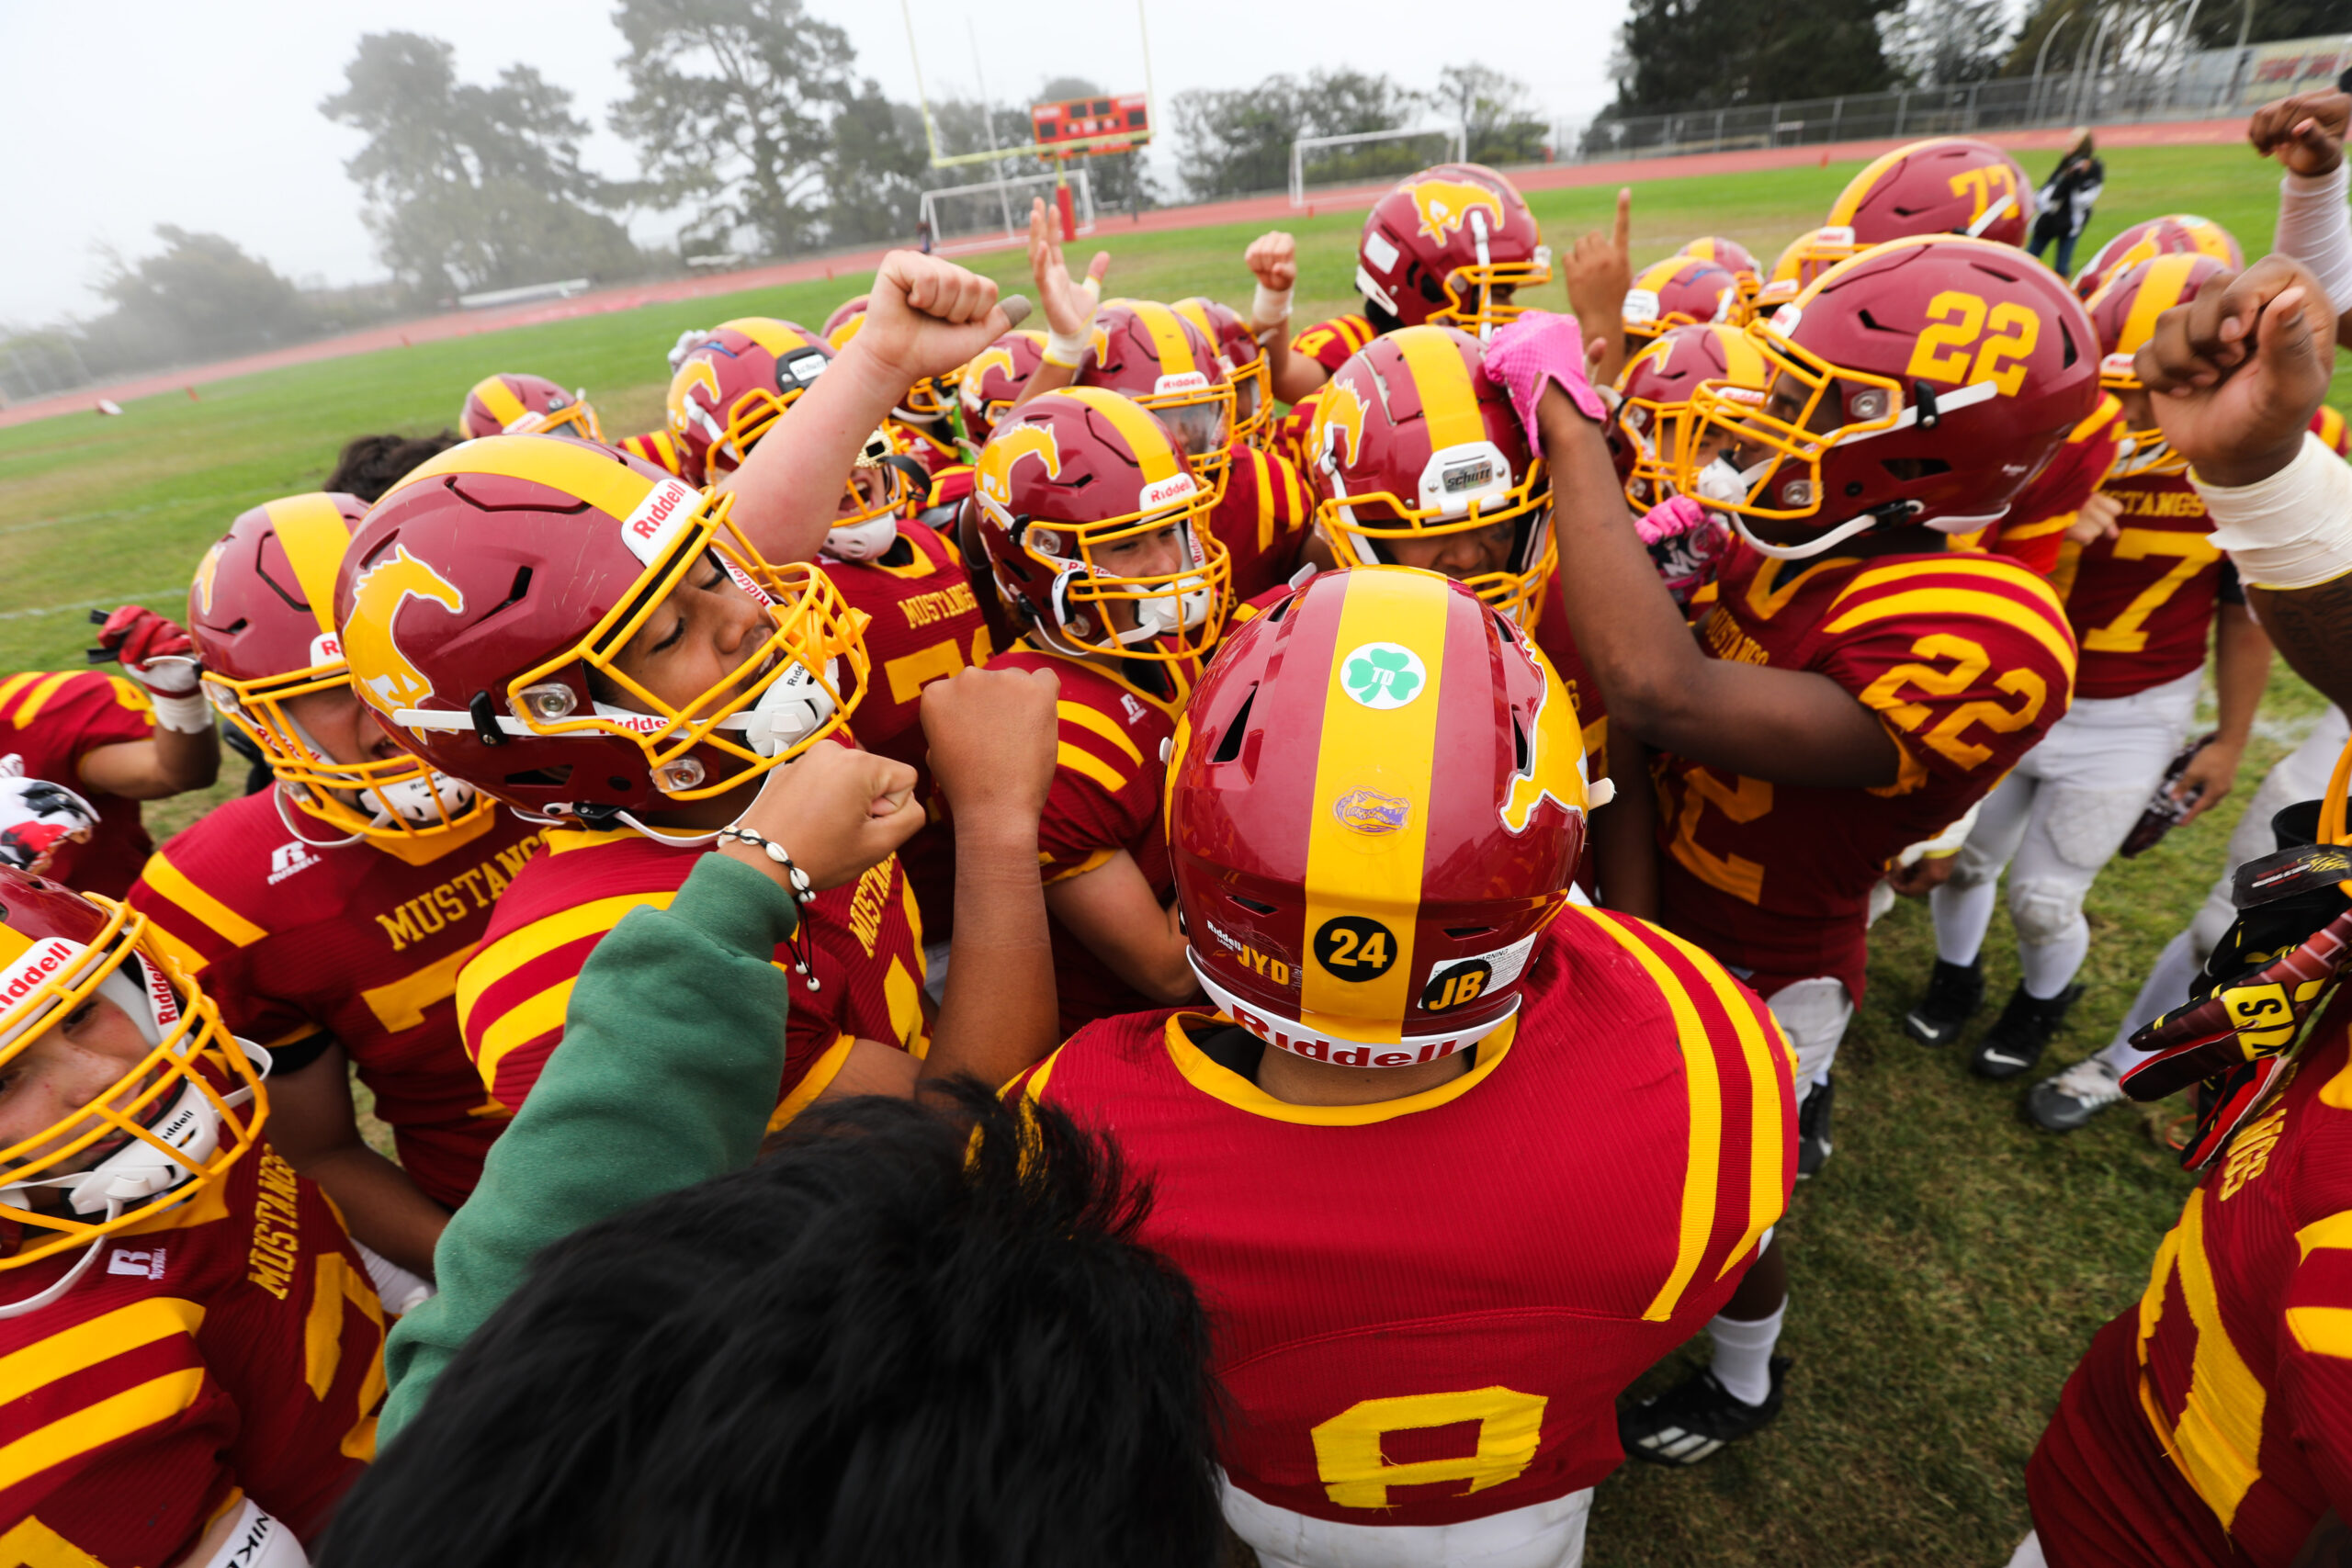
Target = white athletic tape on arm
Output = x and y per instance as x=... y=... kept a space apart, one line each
x=2291 y=530
x=1269 y=307
x=2315 y=228
x=188 y=712
x=257 y=1540
x=1067 y=353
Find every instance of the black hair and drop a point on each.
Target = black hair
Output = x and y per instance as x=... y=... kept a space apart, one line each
x=370 y=465
x=907 y=1336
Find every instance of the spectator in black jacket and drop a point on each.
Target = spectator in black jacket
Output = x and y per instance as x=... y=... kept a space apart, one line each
x=2066 y=202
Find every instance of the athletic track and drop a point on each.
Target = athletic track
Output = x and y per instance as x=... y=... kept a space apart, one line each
x=1263 y=209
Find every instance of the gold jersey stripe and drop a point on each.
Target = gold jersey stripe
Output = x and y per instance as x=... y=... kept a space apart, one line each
x=15 y=683
x=526 y=1020
x=38 y=698
x=1449 y=400
x=93 y=1426
x=1101 y=723
x=1393 y=751
x=2219 y=1437
x=399 y=1004
x=1765 y=1150
x=821 y=1072
x=311 y=531
x=2322 y=1331
x=191 y=961
x=2333 y=1231
x=515 y=948
x=1036 y=1087
x=1701 y=1172
x=1935 y=602
x=574 y=467
x=101 y=1338
x=1999 y=570
x=173 y=882
x=1078 y=759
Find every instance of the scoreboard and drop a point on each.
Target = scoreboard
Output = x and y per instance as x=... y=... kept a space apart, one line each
x=1079 y=126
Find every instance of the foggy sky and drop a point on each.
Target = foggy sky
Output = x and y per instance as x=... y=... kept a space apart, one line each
x=124 y=114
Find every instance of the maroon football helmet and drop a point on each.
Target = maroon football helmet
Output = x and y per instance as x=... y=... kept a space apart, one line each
x=1451 y=246
x=1145 y=350
x=994 y=378
x=1946 y=185
x=735 y=384
x=525 y=405
x=1245 y=365
x=2175 y=233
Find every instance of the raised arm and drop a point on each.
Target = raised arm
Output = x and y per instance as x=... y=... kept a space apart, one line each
x=923 y=317
x=2305 y=133
x=1069 y=306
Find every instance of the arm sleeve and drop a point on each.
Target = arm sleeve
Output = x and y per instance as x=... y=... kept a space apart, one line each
x=643 y=1097
x=2315 y=229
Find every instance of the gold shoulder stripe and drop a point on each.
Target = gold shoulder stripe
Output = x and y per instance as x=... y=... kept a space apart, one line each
x=1946 y=602
x=1034 y=1089
x=173 y=882
x=1078 y=759
x=2109 y=410
x=1701 y=1177
x=15 y=683
x=149 y=1403
x=191 y=961
x=1917 y=572
x=2219 y=1437
x=1101 y=723
x=821 y=1072
x=38 y=698
x=101 y=1339
x=526 y=1021
x=1765 y=1145
x=2333 y=1231
x=515 y=948
x=2323 y=1331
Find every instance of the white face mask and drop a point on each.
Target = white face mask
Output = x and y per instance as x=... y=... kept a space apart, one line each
x=863 y=541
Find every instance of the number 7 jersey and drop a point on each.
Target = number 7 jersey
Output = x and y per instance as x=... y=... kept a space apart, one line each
x=1965 y=658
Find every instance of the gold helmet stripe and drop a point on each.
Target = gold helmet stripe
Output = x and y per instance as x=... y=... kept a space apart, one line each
x=1393 y=751
x=311 y=531
x=1138 y=426
x=1166 y=329
x=1659 y=274
x=779 y=338
x=1849 y=200
x=1743 y=365
x=2159 y=291
x=500 y=400
x=1449 y=401
x=587 y=473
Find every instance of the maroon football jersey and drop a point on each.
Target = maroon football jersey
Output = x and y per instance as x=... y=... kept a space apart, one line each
x=1105 y=799
x=47 y=724
x=2141 y=603
x=361 y=942
x=233 y=1342
x=922 y=622
x=1402 y=1337
x=2212 y=1425
x=864 y=937
x=1966 y=660
x=1262 y=519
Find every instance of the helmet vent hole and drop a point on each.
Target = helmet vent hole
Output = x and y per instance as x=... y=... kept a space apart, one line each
x=1522 y=754
x=1909 y=469
x=1253 y=905
x=513 y=595
x=1463 y=933
x=1228 y=745
x=239 y=624
x=1282 y=608
x=1871 y=322
x=551 y=778
x=2067 y=338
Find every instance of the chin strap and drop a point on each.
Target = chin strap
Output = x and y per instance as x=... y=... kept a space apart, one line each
x=277 y=798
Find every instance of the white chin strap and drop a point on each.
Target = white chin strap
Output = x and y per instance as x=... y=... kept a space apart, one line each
x=1821 y=544
x=793 y=707
x=864 y=541
x=421 y=803
x=190 y=1129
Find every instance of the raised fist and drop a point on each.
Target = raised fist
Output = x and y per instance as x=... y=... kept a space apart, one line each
x=1272 y=260
x=2305 y=132
x=154 y=652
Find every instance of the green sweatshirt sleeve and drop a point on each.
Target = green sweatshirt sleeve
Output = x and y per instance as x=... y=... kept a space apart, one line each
x=643 y=1096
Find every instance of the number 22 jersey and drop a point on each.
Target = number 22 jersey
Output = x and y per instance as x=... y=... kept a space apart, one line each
x=1965 y=658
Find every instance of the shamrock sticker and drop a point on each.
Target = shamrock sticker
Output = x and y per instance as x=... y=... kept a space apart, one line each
x=1383 y=675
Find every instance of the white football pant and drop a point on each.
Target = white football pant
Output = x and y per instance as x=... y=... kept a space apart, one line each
x=2055 y=822
x=1814 y=1015
x=2300 y=774
x=1541 y=1535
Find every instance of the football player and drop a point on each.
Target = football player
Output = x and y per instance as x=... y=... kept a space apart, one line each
x=1173 y=367
x=925 y=416
x=114 y=739
x=1097 y=540
x=193 y=1348
x=2141 y=599
x=370 y=465
x=647 y=667
x=1452 y=244
x=1680 y=291
x=1245 y=365
x=1645 y=437
x=1855 y=686
x=991 y=383
x=328 y=916
x=1376 y=800
x=2176 y=233
x=732 y=386
x=526 y=405
x=1945 y=184
x=1734 y=258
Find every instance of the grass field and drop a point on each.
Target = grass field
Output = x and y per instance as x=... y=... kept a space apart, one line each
x=1950 y=1262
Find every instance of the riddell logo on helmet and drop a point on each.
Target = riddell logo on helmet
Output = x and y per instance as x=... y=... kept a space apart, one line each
x=37 y=969
x=1168 y=492
x=649 y=530
x=1343 y=1053
x=1445 y=205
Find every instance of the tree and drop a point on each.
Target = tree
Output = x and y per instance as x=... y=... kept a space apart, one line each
x=1943 y=43
x=1678 y=55
x=472 y=187
x=201 y=299
x=2145 y=34
x=1499 y=123
x=1122 y=181
x=733 y=105
x=1230 y=142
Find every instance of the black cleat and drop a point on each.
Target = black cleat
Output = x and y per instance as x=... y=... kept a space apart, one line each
x=1695 y=1417
x=2018 y=1036
x=1812 y=1129
x=1954 y=993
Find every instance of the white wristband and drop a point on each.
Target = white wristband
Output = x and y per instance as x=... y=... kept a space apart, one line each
x=2315 y=229
x=1269 y=307
x=187 y=712
x=1069 y=352
x=2291 y=530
